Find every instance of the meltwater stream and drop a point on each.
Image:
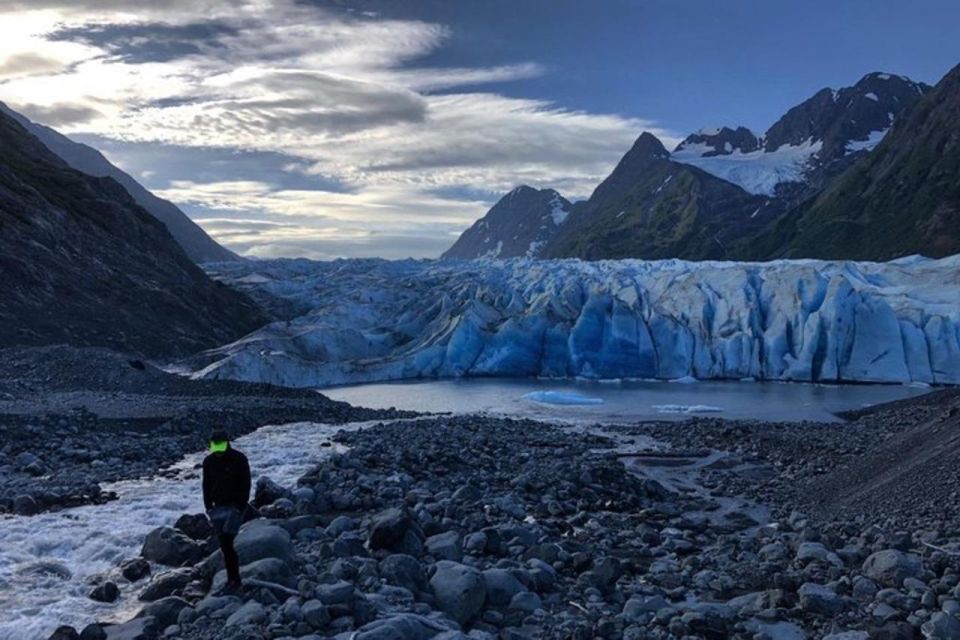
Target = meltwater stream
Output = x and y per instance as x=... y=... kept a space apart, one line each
x=47 y=561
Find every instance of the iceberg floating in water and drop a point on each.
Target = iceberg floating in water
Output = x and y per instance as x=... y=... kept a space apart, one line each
x=686 y=408
x=561 y=397
x=793 y=320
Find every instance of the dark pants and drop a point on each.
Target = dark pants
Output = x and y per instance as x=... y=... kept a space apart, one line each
x=230 y=558
x=226 y=523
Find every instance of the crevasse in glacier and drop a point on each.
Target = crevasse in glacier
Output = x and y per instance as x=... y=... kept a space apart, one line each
x=804 y=320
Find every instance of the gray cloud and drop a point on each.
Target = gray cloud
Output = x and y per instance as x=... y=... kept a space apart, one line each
x=149 y=42
x=59 y=114
x=28 y=62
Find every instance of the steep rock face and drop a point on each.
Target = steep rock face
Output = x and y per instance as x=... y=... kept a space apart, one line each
x=810 y=144
x=651 y=207
x=199 y=246
x=82 y=263
x=902 y=198
x=720 y=142
x=804 y=321
x=519 y=225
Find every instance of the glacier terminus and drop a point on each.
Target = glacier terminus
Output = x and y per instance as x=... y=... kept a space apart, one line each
x=361 y=321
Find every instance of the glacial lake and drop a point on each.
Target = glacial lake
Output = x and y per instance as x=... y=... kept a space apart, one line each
x=576 y=400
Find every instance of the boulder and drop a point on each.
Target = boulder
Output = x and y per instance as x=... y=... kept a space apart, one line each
x=267 y=570
x=446 y=546
x=817 y=552
x=337 y=593
x=267 y=492
x=403 y=571
x=258 y=540
x=195 y=526
x=134 y=569
x=394 y=529
x=404 y=626
x=64 y=633
x=889 y=567
x=140 y=629
x=25 y=505
x=459 y=590
x=316 y=614
x=164 y=611
x=817 y=598
x=170 y=547
x=93 y=631
x=106 y=592
x=501 y=586
x=250 y=613
x=166 y=584
x=941 y=626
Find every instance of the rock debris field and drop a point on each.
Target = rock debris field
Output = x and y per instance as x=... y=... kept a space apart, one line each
x=481 y=527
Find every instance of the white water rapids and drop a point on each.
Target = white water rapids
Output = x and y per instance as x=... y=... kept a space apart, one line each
x=37 y=553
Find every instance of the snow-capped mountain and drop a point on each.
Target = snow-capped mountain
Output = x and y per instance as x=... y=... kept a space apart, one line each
x=784 y=320
x=82 y=263
x=518 y=225
x=901 y=198
x=727 y=193
x=653 y=207
x=813 y=142
x=194 y=240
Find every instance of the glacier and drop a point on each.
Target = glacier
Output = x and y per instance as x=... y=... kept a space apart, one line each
x=369 y=320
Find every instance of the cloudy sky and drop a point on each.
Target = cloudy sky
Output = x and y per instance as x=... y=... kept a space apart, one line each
x=385 y=127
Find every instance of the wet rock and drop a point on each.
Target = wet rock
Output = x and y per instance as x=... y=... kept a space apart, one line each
x=267 y=570
x=166 y=584
x=267 y=492
x=196 y=526
x=64 y=633
x=134 y=569
x=170 y=547
x=336 y=593
x=163 y=611
x=93 y=632
x=25 y=505
x=459 y=590
x=106 y=592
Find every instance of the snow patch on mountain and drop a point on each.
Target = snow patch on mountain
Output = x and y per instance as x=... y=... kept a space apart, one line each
x=803 y=320
x=869 y=143
x=758 y=172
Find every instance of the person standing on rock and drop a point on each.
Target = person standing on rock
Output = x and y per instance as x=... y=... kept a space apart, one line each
x=226 y=492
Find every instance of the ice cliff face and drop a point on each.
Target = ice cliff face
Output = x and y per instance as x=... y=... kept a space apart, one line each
x=788 y=320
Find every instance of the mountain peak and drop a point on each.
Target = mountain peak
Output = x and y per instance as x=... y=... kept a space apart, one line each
x=648 y=145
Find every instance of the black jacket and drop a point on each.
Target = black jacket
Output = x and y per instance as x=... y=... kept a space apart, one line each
x=226 y=480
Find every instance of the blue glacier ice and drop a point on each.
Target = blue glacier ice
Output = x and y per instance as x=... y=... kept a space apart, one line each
x=802 y=320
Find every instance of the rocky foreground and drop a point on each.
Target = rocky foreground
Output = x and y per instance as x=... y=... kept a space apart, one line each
x=474 y=527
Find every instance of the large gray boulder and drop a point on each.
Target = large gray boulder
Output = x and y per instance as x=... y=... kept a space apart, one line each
x=817 y=598
x=170 y=547
x=403 y=571
x=256 y=541
x=166 y=584
x=250 y=613
x=446 y=546
x=501 y=586
x=139 y=629
x=458 y=589
x=164 y=611
x=266 y=570
x=404 y=626
x=395 y=530
x=889 y=567
x=941 y=626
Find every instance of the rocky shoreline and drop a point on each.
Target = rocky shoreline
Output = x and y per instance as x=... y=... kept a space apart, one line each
x=73 y=419
x=480 y=527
